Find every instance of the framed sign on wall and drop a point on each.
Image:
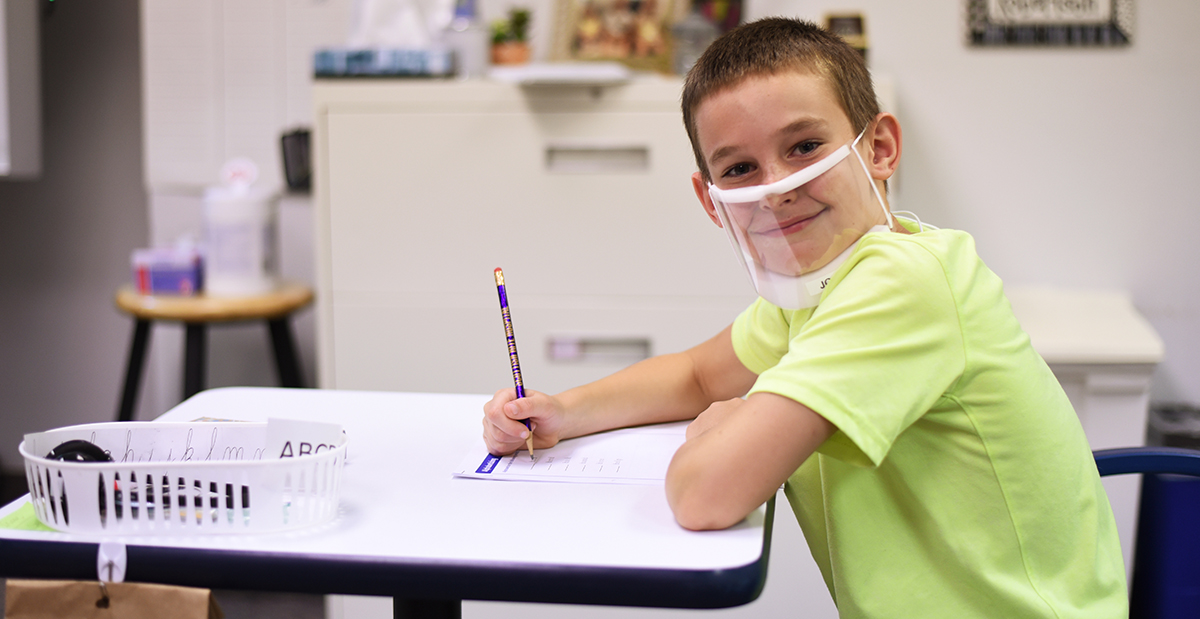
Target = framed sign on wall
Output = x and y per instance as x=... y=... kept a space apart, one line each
x=1047 y=23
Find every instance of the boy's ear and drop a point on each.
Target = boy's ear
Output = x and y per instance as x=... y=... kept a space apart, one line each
x=701 y=189
x=885 y=147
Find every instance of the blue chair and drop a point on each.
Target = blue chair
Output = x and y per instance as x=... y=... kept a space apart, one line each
x=1166 y=564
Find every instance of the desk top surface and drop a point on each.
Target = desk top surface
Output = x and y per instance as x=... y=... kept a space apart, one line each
x=402 y=512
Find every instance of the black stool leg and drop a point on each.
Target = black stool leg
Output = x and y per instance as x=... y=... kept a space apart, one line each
x=133 y=369
x=286 y=359
x=195 y=351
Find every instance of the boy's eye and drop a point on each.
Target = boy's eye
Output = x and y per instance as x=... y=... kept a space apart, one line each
x=806 y=147
x=734 y=171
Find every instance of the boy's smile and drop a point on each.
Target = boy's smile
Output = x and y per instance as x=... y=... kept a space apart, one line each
x=788 y=226
x=764 y=129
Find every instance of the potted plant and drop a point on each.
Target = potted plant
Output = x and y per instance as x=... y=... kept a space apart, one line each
x=510 y=38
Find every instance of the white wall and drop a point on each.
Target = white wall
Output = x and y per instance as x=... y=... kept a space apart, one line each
x=65 y=238
x=224 y=79
x=1071 y=167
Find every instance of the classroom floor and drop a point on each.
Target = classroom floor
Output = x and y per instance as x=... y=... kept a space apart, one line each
x=235 y=604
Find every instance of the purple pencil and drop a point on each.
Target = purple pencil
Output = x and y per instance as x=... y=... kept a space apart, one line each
x=512 y=351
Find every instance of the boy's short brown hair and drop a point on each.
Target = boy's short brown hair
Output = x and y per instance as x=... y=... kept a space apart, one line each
x=770 y=46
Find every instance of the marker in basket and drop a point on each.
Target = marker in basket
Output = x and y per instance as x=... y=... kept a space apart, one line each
x=512 y=352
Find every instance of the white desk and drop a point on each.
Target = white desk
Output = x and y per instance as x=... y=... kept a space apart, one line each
x=408 y=529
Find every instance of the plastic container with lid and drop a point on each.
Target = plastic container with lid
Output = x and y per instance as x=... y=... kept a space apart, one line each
x=241 y=255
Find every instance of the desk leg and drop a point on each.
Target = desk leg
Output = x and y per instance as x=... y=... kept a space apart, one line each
x=426 y=609
x=286 y=359
x=194 y=353
x=133 y=369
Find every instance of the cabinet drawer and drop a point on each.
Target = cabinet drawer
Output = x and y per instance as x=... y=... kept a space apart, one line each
x=568 y=203
x=458 y=344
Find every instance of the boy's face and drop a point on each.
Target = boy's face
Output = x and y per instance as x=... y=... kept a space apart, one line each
x=767 y=128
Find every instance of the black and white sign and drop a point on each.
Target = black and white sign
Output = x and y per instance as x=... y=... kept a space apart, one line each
x=1105 y=23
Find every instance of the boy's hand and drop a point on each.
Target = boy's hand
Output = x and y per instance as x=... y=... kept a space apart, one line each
x=502 y=428
x=713 y=416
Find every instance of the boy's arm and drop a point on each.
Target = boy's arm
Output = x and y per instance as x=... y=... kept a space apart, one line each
x=737 y=455
x=663 y=388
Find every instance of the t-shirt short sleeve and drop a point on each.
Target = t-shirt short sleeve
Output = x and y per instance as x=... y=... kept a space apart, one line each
x=880 y=349
x=756 y=335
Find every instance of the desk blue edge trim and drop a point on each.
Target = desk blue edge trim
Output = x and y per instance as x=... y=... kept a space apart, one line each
x=558 y=584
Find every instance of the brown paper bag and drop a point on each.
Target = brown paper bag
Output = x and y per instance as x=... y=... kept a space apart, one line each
x=73 y=599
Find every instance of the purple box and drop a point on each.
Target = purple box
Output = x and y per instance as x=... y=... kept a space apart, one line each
x=167 y=270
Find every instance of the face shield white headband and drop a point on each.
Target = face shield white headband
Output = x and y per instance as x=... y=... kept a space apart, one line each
x=788 y=291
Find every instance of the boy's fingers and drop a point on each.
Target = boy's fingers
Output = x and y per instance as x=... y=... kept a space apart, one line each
x=494 y=409
x=504 y=418
x=516 y=409
x=507 y=432
x=525 y=407
x=504 y=430
x=500 y=447
x=499 y=399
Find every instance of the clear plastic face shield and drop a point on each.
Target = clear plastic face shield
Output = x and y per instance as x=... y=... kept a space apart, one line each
x=792 y=234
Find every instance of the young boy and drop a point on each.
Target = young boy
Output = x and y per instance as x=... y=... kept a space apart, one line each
x=933 y=461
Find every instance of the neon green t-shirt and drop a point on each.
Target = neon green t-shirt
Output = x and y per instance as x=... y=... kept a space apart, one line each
x=959 y=482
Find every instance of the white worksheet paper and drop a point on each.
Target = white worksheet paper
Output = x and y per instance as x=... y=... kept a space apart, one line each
x=628 y=456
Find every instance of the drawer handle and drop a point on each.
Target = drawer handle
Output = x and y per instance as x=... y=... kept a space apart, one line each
x=597 y=158
x=574 y=349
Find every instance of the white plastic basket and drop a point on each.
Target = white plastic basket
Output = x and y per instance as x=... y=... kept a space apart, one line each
x=186 y=478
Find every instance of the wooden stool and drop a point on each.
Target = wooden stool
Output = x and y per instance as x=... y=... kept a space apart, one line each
x=195 y=313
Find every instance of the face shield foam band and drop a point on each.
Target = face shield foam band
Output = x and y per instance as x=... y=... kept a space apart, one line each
x=760 y=240
x=742 y=195
x=745 y=195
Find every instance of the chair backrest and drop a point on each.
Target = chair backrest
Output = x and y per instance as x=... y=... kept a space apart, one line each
x=1128 y=460
x=1166 y=564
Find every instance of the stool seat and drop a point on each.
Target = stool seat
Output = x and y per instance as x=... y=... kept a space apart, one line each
x=284 y=300
x=196 y=312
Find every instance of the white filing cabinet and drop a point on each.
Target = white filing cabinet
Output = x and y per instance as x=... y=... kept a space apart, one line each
x=580 y=193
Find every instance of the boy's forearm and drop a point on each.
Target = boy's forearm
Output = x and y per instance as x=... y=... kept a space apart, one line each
x=659 y=389
x=719 y=476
